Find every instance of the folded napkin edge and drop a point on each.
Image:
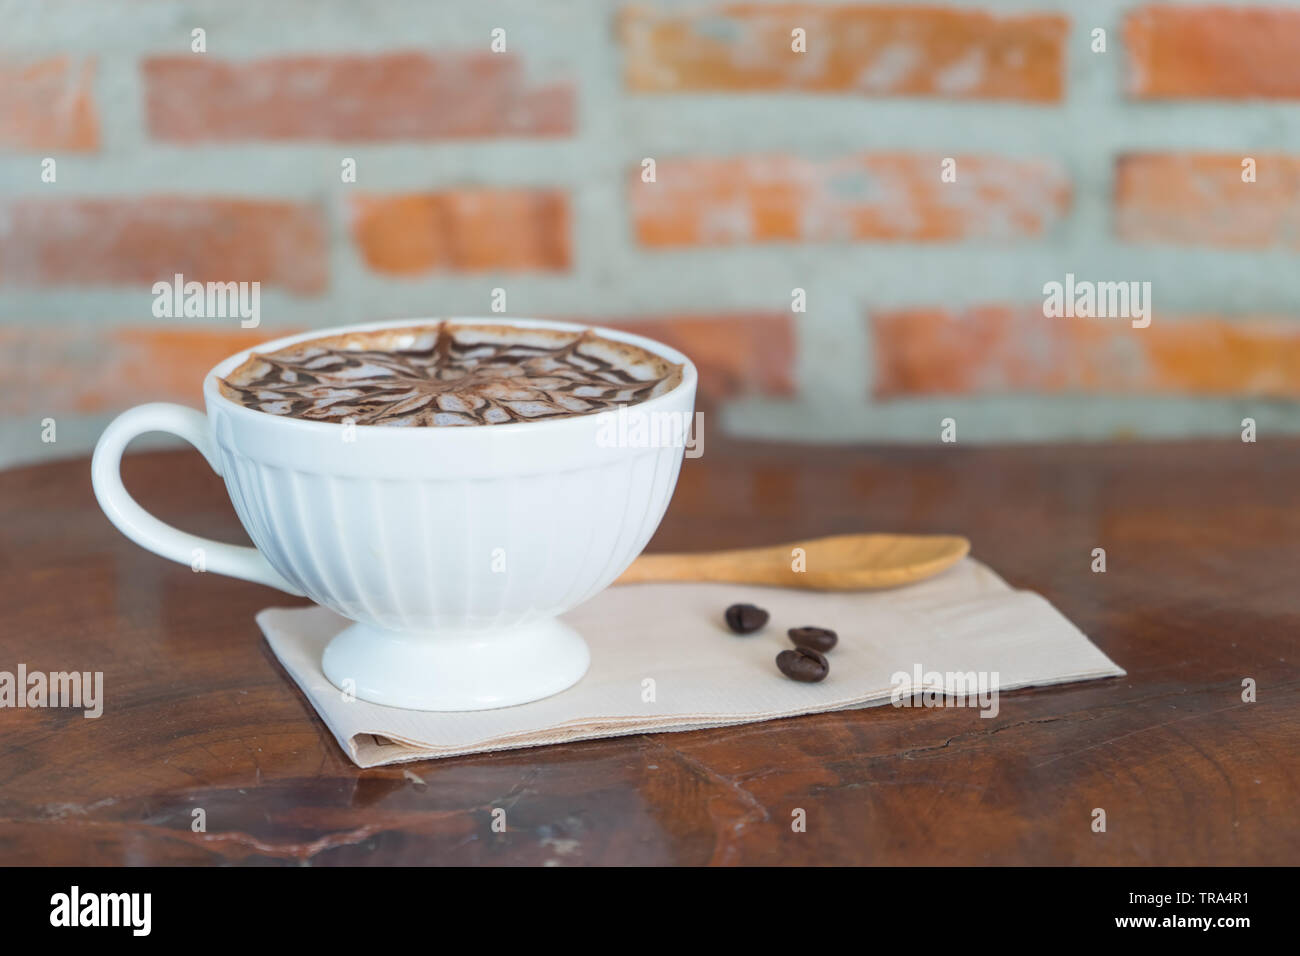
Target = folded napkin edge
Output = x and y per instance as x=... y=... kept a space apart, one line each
x=605 y=728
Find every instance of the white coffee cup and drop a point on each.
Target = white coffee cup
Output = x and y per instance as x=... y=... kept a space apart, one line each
x=454 y=549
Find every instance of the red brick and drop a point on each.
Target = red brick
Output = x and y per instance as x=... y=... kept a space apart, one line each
x=48 y=104
x=871 y=50
x=1213 y=51
x=737 y=354
x=1200 y=199
x=148 y=239
x=468 y=230
x=883 y=196
x=79 y=368
x=391 y=96
x=996 y=349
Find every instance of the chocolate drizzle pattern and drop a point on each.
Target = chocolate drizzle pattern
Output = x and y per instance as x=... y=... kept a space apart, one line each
x=450 y=375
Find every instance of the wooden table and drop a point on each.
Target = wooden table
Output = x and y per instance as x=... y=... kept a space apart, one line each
x=1201 y=591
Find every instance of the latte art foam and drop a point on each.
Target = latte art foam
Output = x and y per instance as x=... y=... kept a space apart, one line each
x=450 y=374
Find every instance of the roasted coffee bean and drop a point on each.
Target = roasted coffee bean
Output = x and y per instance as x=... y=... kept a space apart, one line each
x=745 y=618
x=803 y=664
x=818 y=638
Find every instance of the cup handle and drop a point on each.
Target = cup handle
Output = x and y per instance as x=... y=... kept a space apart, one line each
x=146 y=530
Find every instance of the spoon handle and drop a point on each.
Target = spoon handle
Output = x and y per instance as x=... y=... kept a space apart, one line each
x=745 y=566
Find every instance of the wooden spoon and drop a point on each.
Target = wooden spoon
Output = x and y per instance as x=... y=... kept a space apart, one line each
x=842 y=562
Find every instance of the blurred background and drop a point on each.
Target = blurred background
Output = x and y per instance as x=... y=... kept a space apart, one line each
x=795 y=232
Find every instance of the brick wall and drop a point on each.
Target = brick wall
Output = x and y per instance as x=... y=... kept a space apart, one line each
x=775 y=170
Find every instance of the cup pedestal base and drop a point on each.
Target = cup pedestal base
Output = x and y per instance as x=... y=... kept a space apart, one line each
x=456 y=670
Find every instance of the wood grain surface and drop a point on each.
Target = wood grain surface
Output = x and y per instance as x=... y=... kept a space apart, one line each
x=1201 y=592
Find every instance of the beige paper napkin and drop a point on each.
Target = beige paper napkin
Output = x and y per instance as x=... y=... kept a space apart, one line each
x=965 y=620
